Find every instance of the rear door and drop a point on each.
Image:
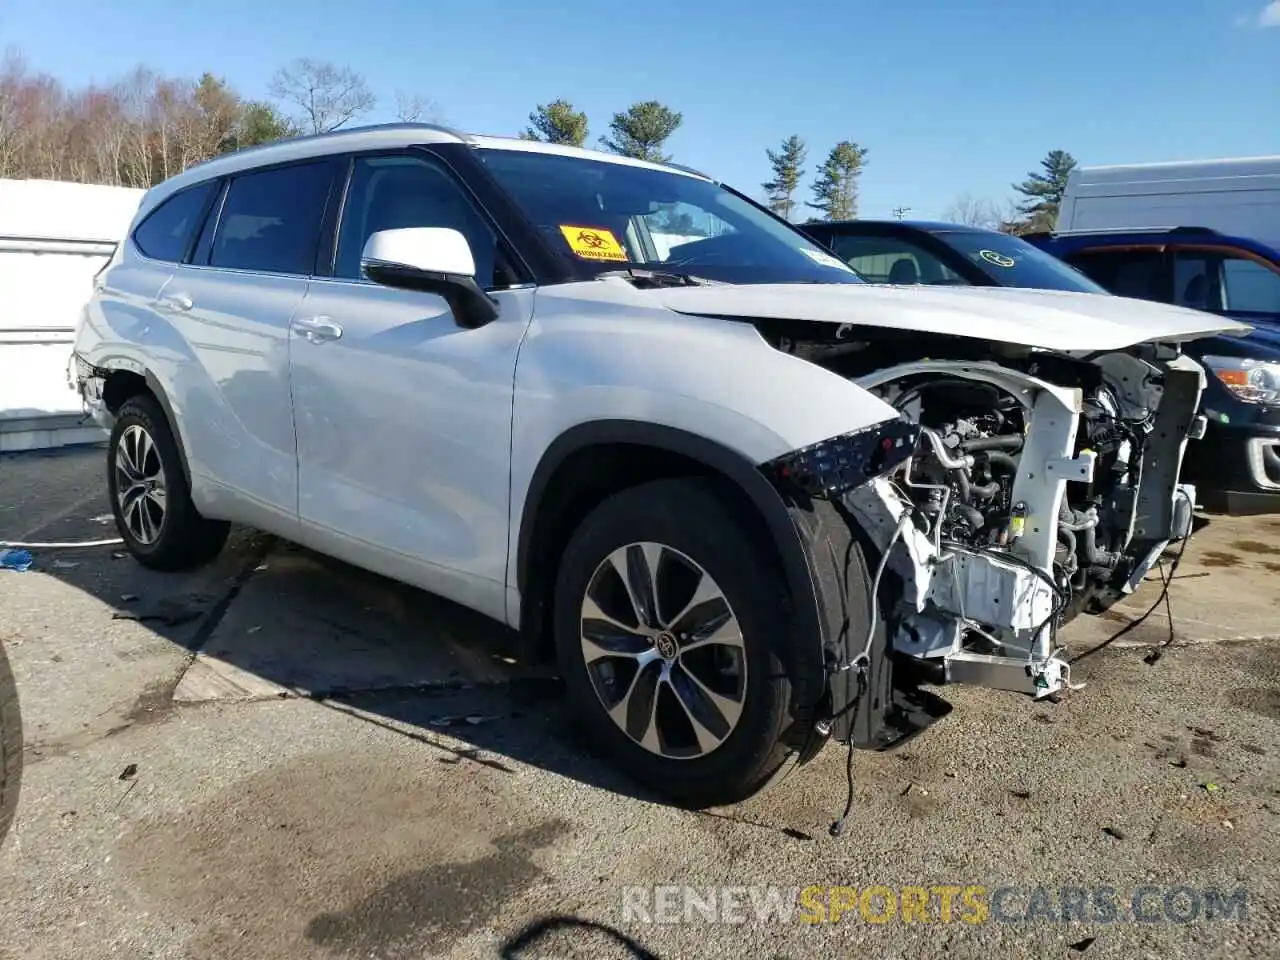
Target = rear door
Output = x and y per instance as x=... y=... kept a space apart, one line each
x=232 y=305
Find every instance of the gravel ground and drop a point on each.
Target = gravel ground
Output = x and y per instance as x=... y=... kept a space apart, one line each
x=272 y=757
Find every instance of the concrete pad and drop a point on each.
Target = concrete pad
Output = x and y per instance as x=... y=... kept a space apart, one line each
x=209 y=678
x=1226 y=588
x=303 y=623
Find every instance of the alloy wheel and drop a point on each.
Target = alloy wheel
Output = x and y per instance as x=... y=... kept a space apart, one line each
x=664 y=650
x=140 y=484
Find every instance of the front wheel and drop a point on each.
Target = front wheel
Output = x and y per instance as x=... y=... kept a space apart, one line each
x=10 y=745
x=667 y=612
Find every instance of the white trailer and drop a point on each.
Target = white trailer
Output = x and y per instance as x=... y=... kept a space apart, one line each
x=1239 y=197
x=54 y=237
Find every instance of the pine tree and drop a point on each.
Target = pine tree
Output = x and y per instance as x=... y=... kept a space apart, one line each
x=788 y=167
x=1044 y=190
x=835 y=191
x=557 y=122
x=642 y=131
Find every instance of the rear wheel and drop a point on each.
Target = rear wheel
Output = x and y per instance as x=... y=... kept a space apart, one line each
x=10 y=745
x=666 y=613
x=150 y=493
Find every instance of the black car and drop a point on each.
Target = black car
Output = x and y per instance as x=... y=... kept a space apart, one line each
x=1235 y=466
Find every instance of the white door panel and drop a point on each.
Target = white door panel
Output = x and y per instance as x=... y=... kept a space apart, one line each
x=234 y=400
x=404 y=433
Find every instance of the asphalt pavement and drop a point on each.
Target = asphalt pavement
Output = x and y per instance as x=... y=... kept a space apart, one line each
x=280 y=756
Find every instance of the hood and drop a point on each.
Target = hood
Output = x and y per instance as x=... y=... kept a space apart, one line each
x=1049 y=319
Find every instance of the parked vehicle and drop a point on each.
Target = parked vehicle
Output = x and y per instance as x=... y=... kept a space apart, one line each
x=944 y=254
x=1237 y=196
x=749 y=501
x=1237 y=465
x=10 y=745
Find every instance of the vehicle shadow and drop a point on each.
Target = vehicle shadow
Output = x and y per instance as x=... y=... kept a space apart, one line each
x=269 y=619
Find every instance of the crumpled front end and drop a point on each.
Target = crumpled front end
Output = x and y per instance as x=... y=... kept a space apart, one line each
x=952 y=545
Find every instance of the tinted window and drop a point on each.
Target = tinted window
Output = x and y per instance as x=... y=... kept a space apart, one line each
x=389 y=193
x=1126 y=273
x=271 y=220
x=603 y=215
x=205 y=241
x=166 y=232
x=1251 y=287
x=1012 y=262
x=1217 y=281
x=893 y=260
x=1195 y=281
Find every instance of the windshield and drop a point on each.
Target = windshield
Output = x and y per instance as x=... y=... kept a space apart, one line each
x=607 y=216
x=1012 y=262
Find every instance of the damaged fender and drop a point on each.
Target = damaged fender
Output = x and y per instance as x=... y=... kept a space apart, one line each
x=862 y=702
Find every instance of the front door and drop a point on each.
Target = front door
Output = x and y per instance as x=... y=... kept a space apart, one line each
x=403 y=417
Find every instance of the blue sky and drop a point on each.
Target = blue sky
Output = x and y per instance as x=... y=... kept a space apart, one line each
x=949 y=97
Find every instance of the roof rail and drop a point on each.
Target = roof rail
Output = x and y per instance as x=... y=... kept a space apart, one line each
x=333 y=135
x=681 y=166
x=1206 y=231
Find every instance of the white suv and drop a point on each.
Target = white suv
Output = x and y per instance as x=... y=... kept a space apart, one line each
x=749 y=501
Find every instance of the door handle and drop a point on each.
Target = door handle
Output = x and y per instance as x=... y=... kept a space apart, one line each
x=317 y=329
x=175 y=301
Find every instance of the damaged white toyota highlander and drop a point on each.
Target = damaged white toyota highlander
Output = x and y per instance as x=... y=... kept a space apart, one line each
x=749 y=502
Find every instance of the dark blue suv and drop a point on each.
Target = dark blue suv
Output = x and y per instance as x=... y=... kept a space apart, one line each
x=1236 y=466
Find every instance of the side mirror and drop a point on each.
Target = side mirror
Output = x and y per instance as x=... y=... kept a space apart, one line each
x=431 y=259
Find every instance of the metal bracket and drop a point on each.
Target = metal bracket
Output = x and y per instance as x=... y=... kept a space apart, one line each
x=1073 y=469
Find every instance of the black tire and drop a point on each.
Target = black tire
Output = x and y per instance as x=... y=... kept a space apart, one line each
x=10 y=746
x=691 y=516
x=185 y=539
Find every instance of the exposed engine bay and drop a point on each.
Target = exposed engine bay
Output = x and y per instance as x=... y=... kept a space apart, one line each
x=1036 y=487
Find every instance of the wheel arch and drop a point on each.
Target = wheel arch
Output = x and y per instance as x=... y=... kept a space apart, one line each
x=593 y=460
x=124 y=380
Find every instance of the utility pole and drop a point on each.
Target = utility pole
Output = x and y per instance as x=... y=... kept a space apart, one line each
x=900 y=213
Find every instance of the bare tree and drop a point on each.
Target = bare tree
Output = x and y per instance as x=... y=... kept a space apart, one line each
x=136 y=130
x=973 y=212
x=329 y=96
x=415 y=108
x=13 y=72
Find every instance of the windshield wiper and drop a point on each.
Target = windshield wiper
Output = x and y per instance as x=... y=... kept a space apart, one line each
x=658 y=278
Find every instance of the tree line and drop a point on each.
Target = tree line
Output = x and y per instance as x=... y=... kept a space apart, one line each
x=144 y=127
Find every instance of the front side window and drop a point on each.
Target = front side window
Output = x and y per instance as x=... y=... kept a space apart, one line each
x=893 y=260
x=603 y=215
x=271 y=219
x=1221 y=281
x=166 y=232
x=394 y=192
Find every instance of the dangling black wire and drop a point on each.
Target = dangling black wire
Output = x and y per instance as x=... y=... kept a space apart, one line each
x=837 y=827
x=1158 y=652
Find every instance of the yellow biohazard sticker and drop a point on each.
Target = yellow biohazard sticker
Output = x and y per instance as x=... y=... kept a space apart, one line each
x=593 y=243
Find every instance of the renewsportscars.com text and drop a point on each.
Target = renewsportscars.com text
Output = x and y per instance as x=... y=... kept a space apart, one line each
x=940 y=903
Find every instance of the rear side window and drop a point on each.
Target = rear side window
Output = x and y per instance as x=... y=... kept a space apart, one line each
x=1139 y=274
x=166 y=232
x=271 y=220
